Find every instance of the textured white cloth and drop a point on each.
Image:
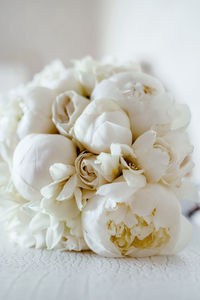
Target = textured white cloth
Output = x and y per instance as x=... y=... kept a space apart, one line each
x=30 y=274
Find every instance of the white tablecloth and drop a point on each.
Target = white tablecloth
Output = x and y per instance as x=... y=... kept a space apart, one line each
x=40 y=274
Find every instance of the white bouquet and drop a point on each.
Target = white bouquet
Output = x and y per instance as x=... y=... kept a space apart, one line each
x=95 y=157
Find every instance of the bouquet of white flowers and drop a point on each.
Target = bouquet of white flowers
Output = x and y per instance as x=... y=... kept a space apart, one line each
x=95 y=157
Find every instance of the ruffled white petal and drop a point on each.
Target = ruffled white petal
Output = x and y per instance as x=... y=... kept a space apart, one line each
x=66 y=109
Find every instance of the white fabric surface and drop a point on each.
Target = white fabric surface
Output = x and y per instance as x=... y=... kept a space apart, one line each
x=40 y=274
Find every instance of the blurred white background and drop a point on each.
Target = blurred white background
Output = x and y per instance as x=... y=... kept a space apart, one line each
x=162 y=34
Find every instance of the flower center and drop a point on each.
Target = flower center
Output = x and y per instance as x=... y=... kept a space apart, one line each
x=142 y=235
x=131 y=164
x=138 y=90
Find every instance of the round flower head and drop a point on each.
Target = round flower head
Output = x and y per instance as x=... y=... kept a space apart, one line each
x=102 y=123
x=128 y=85
x=144 y=99
x=118 y=222
x=32 y=158
x=37 y=112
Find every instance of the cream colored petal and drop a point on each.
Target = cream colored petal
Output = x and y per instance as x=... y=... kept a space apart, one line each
x=51 y=190
x=66 y=109
x=184 y=237
x=54 y=235
x=109 y=165
x=101 y=124
x=39 y=222
x=78 y=198
x=180 y=115
x=187 y=191
x=61 y=171
x=68 y=189
x=154 y=160
x=119 y=191
x=60 y=210
x=39 y=100
x=34 y=122
x=134 y=179
x=107 y=89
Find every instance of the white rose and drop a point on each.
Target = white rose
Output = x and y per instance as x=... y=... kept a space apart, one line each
x=90 y=72
x=88 y=172
x=66 y=109
x=148 y=221
x=144 y=99
x=101 y=124
x=55 y=76
x=37 y=109
x=164 y=158
x=32 y=158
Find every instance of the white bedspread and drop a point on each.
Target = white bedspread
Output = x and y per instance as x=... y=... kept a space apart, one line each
x=40 y=275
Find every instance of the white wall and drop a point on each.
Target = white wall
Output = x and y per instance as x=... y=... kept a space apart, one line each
x=166 y=34
x=162 y=33
x=34 y=32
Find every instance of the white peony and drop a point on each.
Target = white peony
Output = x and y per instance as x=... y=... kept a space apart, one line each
x=37 y=112
x=128 y=86
x=90 y=72
x=32 y=158
x=101 y=124
x=66 y=109
x=164 y=158
x=144 y=99
x=42 y=224
x=55 y=76
x=122 y=221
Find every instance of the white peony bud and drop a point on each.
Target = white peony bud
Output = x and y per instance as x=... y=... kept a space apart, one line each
x=101 y=124
x=37 y=108
x=32 y=158
x=118 y=221
x=66 y=109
